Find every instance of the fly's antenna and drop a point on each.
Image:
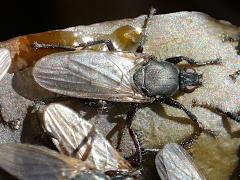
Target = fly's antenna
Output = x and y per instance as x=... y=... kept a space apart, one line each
x=152 y=11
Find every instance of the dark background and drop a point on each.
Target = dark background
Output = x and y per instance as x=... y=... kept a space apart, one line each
x=19 y=17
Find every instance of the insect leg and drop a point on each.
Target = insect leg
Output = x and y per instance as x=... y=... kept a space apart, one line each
x=233 y=39
x=37 y=46
x=108 y=43
x=144 y=27
x=233 y=115
x=176 y=60
x=14 y=124
x=131 y=113
x=118 y=174
x=235 y=75
x=171 y=102
x=226 y=37
x=92 y=135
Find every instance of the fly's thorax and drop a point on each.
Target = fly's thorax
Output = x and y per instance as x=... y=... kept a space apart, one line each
x=157 y=78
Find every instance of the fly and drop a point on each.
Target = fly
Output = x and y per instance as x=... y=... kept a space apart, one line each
x=173 y=162
x=74 y=136
x=119 y=76
x=28 y=162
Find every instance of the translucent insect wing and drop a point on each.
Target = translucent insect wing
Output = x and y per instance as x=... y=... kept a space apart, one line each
x=92 y=176
x=69 y=130
x=174 y=163
x=35 y=162
x=90 y=74
x=5 y=61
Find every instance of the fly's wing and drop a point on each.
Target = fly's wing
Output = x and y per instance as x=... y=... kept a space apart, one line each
x=69 y=130
x=92 y=176
x=29 y=162
x=5 y=61
x=90 y=74
x=174 y=163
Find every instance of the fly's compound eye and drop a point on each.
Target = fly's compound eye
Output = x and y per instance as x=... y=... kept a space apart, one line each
x=190 y=70
x=190 y=89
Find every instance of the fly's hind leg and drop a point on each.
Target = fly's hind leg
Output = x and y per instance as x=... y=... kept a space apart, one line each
x=107 y=42
x=188 y=142
x=144 y=27
x=178 y=59
x=130 y=115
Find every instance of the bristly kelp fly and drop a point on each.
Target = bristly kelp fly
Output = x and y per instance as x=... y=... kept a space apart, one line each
x=173 y=162
x=119 y=76
x=74 y=136
x=27 y=162
x=5 y=61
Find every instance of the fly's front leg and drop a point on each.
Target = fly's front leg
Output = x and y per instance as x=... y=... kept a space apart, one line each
x=176 y=60
x=108 y=43
x=131 y=113
x=144 y=27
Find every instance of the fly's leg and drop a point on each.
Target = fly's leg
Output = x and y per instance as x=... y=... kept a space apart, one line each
x=187 y=143
x=91 y=135
x=118 y=174
x=37 y=46
x=235 y=75
x=131 y=113
x=14 y=124
x=108 y=43
x=176 y=60
x=232 y=115
x=144 y=27
x=233 y=39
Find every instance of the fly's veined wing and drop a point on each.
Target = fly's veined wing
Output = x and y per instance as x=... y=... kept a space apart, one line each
x=174 y=163
x=29 y=162
x=5 y=61
x=92 y=176
x=90 y=74
x=69 y=131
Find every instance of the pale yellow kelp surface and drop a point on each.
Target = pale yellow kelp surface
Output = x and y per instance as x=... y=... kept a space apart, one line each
x=191 y=34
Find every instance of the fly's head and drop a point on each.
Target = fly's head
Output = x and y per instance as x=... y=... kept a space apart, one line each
x=189 y=80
